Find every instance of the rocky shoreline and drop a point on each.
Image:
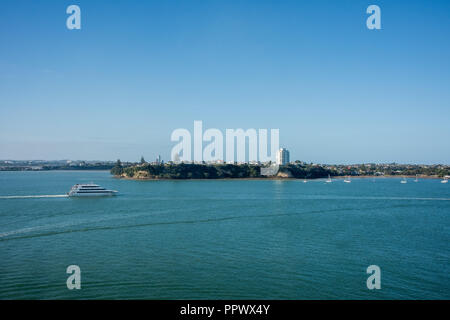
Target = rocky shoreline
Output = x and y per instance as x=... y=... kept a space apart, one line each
x=277 y=177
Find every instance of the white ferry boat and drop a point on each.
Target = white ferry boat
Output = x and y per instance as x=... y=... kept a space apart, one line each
x=90 y=190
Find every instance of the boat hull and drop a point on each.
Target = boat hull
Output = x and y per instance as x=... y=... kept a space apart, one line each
x=83 y=195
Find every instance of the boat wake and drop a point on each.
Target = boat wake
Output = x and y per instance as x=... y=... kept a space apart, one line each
x=88 y=225
x=35 y=197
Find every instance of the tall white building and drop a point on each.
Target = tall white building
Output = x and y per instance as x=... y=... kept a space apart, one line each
x=282 y=156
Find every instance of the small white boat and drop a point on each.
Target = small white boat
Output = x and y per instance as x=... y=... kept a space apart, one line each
x=328 y=180
x=347 y=179
x=305 y=181
x=417 y=179
x=404 y=180
x=90 y=190
x=444 y=181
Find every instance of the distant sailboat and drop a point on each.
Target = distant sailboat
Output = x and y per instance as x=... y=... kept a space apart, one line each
x=404 y=180
x=328 y=180
x=417 y=179
x=305 y=181
x=347 y=179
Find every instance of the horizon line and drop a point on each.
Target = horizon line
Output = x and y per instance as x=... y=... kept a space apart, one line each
x=246 y=162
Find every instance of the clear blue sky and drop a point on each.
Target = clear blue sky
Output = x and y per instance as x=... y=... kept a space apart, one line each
x=137 y=70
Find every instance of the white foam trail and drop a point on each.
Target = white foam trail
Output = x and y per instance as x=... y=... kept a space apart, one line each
x=33 y=197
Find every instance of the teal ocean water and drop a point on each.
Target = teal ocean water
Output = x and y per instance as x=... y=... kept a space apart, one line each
x=225 y=239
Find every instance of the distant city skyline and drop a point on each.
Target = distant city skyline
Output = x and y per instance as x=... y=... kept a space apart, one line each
x=116 y=89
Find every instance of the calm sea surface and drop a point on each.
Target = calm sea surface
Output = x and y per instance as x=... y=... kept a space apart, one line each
x=223 y=239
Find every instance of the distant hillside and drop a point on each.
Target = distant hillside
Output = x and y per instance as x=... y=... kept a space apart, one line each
x=298 y=170
x=214 y=171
